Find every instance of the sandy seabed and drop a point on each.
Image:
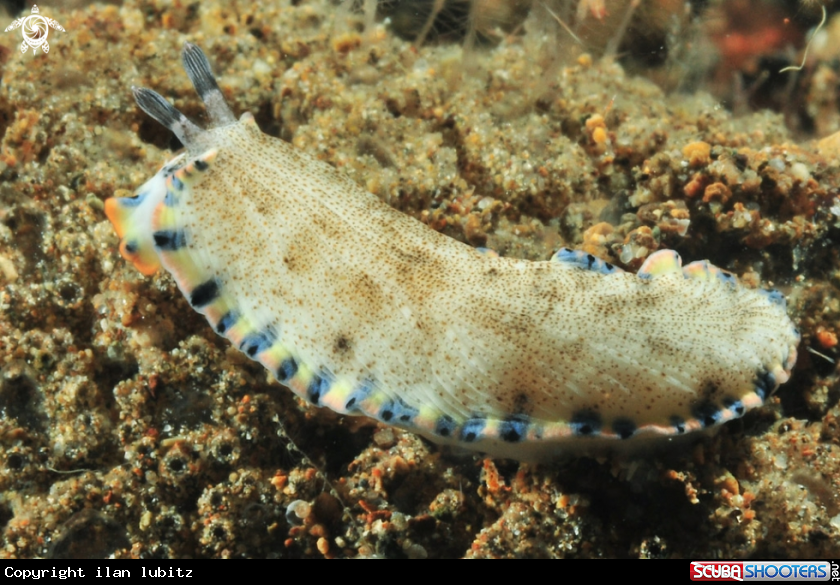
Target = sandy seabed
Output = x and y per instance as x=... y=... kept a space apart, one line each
x=130 y=429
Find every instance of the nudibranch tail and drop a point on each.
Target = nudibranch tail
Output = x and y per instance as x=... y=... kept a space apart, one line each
x=362 y=309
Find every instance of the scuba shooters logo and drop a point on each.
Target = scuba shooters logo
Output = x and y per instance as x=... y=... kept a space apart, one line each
x=764 y=571
x=35 y=29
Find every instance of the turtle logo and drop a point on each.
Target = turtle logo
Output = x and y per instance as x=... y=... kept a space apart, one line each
x=35 y=29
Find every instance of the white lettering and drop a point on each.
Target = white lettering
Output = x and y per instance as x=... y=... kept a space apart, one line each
x=42 y=573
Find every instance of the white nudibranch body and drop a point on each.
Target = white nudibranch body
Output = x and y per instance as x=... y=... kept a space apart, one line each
x=360 y=308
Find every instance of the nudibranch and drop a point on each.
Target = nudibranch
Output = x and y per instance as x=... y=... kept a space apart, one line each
x=360 y=308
